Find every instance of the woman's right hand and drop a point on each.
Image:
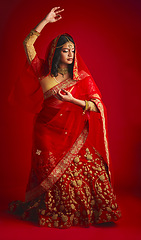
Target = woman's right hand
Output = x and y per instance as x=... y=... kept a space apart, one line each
x=53 y=15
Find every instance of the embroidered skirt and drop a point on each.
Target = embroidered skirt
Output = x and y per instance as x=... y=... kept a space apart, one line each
x=83 y=196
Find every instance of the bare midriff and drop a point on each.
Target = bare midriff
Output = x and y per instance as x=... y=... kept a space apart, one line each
x=49 y=82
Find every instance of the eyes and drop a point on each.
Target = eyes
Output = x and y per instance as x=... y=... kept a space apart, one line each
x=65 y=51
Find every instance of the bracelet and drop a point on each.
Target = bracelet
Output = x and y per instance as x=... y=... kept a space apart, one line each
x=86 y=106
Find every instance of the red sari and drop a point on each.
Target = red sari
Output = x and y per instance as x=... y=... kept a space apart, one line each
x=70 y=180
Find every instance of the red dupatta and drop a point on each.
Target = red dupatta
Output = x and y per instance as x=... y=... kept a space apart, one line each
x=80 y=128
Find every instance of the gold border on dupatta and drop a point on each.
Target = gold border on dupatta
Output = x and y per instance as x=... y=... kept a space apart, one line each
x=66 y=160
x=75 y=68
x=67 y=83
x=64 y=84
x=52 y=51
x=60 y=168
x=99 y=104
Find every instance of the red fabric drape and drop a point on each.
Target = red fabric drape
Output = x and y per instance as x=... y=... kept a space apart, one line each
x=60 y=128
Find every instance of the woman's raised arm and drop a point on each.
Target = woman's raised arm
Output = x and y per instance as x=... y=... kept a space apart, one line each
x=52 y=16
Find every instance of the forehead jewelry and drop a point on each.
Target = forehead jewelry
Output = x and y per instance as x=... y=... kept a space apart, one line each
x=69 y=45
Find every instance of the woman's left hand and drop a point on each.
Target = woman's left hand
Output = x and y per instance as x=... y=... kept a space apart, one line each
x=67 y=97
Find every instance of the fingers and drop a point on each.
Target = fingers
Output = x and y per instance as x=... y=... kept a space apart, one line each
x=56 y=15
x=58 y=95
x=58 y=18
x=64 y=91
x=59 y=11
x=55 y=8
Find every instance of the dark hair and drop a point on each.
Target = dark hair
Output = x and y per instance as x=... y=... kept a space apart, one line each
x=56 y=58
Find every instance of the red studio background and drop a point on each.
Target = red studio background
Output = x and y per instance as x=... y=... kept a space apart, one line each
x=108 y=37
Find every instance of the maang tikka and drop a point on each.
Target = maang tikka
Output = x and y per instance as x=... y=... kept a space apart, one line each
x=63 y=71
x=70 y=44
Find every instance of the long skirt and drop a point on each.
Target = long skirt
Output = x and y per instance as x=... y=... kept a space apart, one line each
x=83 y=196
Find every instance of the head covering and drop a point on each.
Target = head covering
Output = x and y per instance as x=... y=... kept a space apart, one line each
x=27 y=93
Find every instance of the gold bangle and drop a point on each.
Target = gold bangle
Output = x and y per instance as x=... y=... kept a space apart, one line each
x=86 y=106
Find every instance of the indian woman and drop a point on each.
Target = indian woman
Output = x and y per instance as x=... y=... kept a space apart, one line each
x=70 y=179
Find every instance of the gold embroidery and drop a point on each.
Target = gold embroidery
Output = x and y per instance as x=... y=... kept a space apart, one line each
x=43 y=212
x=76 y=159
x=91 y=201
x=63 y=164
x=79 y=182
x=54 y=43
x=56 y=224
x=42 y=221
x=96 y=95
x=102 y=178
x=75 y=68
x=76 y=174
x=38 y=152
x=83 y=74
x=62 y=85
x=108 y=217
x=28 y=45
x=55 y=216
x=101 y=108
x=88 y=155
x=72 y=206
x=64 y=218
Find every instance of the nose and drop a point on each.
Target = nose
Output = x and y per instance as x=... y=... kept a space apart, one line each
x=70 y=53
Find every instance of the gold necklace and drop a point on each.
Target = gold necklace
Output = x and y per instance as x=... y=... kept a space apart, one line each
x=63 y=71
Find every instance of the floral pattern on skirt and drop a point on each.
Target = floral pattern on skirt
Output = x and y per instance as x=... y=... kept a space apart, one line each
x=83 y=196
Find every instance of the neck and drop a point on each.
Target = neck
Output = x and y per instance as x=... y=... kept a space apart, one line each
x=63 y=65
x=63 y=70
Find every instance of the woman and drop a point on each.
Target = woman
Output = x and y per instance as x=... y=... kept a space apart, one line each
x=70 y=181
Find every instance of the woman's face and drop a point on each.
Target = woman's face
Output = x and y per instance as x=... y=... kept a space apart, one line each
x=67 y=53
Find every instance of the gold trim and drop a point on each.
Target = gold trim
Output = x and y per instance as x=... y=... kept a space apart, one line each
x=75 y=68
x=62 y=85
x=51 y=54
x=65 y=162
x=29 y=45
x=59 y=169
x=101 y=108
